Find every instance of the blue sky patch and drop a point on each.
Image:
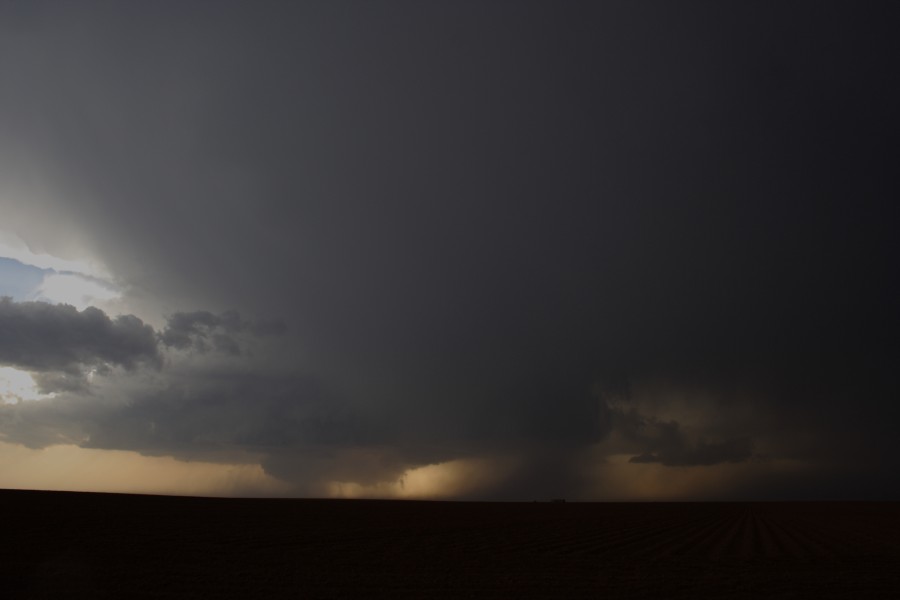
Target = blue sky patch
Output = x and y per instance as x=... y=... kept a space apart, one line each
x=18 y=280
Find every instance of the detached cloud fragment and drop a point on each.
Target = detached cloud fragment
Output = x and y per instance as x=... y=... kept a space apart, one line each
x=42 y=337
x=702 y=453
x=665 y=442
x=199 y=329
x=22 y=280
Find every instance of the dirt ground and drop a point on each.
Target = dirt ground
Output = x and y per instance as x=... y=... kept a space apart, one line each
x=71 y=545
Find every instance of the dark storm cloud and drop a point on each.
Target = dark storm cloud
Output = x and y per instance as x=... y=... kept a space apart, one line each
x=37 y=336
x=197 y=408
x=53 y=382
x=298 y=429
x=59 y=343
x=470 y=213
x=19 y=281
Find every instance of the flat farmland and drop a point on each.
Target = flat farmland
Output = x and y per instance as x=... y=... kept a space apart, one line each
x=76 y=545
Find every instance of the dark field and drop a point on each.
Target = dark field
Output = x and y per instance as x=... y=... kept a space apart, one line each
x=65 y=545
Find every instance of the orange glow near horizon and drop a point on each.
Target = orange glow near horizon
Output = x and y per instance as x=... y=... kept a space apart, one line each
x=70 y=468
x=613 y=478
x=445 y=480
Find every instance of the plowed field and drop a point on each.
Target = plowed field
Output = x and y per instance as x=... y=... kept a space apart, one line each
x=65 y=545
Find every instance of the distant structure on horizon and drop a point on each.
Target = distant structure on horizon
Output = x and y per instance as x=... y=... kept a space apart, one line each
x=559 y=500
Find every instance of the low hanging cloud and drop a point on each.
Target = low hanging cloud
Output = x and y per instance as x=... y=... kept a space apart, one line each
x=41 y=337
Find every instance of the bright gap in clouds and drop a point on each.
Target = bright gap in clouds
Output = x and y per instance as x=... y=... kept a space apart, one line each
x=27 y=275
x=73 y=468
x=12 y=246
x=448 y=479
x=74 y=289
x=17 y=385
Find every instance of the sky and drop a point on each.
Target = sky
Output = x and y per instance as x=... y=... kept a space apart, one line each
x=458 y=250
